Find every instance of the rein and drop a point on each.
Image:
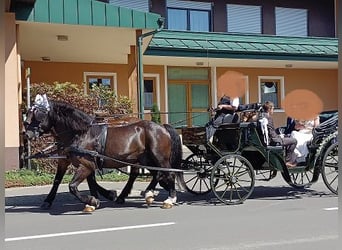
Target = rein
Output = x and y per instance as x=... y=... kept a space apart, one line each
x=47 y=153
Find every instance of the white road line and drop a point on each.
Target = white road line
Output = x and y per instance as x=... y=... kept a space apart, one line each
x=89 y=231
x=331 y=208
x=283 y=243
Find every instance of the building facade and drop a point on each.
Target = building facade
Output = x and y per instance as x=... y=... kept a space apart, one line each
x=278 y=46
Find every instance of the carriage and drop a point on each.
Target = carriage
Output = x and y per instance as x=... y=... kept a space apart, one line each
x=238 y=156
x=228 y=165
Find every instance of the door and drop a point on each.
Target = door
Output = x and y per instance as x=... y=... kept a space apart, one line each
x=188 y=96
x=177 y=104
x=199 y=104
x=188 y=104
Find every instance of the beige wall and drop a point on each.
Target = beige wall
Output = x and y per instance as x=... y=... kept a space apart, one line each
x=2 y=115
x=11 y=94
x=321 y=82
x=49 y=72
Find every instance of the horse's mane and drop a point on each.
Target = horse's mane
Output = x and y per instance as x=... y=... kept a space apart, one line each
x=70 y=117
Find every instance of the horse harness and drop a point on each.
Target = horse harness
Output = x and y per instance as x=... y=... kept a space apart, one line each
x=98 y=154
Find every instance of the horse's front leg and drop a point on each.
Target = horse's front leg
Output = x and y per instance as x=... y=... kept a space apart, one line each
x=128 y=187
x=61 y=169
x=82 y=172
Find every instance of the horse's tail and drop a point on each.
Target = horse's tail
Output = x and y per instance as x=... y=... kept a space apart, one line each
x=176 y=147
x=176 y=153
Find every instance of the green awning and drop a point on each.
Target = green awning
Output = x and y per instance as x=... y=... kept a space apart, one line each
x=85 y=12
x=227 y=45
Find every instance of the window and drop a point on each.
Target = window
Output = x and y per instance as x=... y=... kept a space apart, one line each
x=100 y=79
x=291 y=22
x=188 y=15
x=271 y=88
x=151 y=90
x=148 y=94
x=244 y=18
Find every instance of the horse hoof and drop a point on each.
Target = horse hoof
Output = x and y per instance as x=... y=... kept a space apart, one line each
x=120 y=200
x=166 y=205
x=46 y=205
x=88 y=208
x=149 y=200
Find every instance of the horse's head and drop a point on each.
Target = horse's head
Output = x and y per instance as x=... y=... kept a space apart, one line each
x=36 y=122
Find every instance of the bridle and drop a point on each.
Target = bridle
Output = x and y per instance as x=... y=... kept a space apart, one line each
x=34 y=117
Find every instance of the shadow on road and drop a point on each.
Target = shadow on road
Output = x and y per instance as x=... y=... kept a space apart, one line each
x=66 y=204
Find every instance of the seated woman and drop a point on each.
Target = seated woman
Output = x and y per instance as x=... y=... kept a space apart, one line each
x=303 y=134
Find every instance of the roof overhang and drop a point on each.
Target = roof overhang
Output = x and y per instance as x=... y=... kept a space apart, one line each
x=92 y=31
x=79 y=44
x=224 y=49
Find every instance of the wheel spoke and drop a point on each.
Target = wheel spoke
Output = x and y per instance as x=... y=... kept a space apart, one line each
x=244 y=188
x=197 y=178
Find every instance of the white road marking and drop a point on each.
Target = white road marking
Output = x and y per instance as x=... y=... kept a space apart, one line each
x=89 y=231
x=331 y=208
x=291 y=243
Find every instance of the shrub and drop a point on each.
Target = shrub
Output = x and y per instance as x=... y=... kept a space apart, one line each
x=100 y=100
x=155 y=114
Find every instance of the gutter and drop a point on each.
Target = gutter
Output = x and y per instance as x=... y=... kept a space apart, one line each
x=141 y=108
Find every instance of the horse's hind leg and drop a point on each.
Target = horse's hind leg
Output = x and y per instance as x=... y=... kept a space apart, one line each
x=149 y=192
x=96 y=189
x=168 y=183
x=128 y=187
x=80 y=175
x=61 y=169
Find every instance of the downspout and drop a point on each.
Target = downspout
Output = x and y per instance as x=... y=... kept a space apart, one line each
x=160 y=23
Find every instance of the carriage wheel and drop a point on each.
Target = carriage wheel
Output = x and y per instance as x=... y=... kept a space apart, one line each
x=196 y=176
x=302 y=178
x=232 y=179
x=330 y=168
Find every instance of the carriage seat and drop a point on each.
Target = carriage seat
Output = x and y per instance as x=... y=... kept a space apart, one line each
x=227 y=136
x=327 y=127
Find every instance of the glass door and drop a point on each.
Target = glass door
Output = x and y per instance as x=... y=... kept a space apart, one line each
x=188 y=96
x=177 y=104
x=199 y=104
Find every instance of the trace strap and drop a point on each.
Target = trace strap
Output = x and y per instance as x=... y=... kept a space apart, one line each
x=94 y=154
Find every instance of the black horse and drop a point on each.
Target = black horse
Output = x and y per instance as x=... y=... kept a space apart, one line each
x=88 y=145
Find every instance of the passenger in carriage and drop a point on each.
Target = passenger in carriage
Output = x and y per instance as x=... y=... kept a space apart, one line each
x=225 y=113
x=275 y=139
x=302 y=132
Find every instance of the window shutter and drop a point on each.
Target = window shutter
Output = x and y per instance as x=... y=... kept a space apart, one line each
x=291 y=22
x=141 y=5
x=188 y=5
x=243 y=18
